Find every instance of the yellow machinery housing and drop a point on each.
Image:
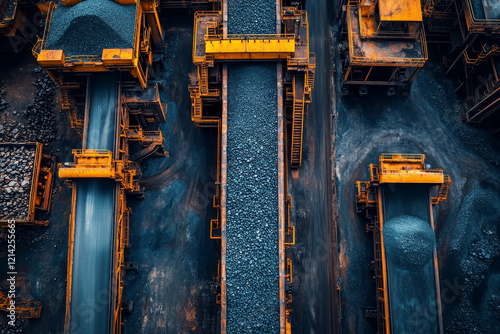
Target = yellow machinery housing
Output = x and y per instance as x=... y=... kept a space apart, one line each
x=385 y=42
x=393 y=169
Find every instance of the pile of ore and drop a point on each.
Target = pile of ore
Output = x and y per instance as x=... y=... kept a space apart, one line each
x=91 y=26
x=40 y=121
x=251 y=17
x=16 y=166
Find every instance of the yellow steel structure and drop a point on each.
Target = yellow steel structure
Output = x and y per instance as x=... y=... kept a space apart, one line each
x=135 y=60
x=30 y=310
x=211 y=46
x=407 y=168
x=486 y=21
x=394 y=10
x=256 y=47
x=386 y=42
x=394 y=169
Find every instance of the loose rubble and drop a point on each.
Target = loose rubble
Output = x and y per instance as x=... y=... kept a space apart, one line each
x=91 y=26
x=39 y=122
x=252 y=194
x=251 y=17
x=409 y=241
x=3 y=101
x=16 y=166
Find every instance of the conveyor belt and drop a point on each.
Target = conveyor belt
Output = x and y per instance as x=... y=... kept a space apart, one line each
x=251 y=251
x=252 y=262
x=411 y=289
x=94 y=220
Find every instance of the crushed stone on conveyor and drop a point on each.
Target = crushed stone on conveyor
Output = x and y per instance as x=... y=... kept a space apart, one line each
x=252 y=260
x=91 y=26
x=409 y=241
x=252 y=253
x=251 y=17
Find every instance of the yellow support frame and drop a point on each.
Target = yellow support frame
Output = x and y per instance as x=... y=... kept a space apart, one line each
x=240 y=47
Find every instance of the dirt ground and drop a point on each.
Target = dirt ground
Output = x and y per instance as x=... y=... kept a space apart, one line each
x=467 y=223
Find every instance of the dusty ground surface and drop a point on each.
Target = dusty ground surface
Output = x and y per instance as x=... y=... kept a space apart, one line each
x=467 y=224
x=314 y=254
x=41 y=252
x=170 y=229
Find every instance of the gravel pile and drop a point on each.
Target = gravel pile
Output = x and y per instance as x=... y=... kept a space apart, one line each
x=409 y=241
x=91 y=26
x=39 y=118
x=251 y=17
x=476 y=267
x=3 y=101
x=7 y=329
x=16 y=165
x=252 y=262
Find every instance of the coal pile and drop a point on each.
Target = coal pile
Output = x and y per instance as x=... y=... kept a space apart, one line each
x=477 y=268
x=39 y=118
x=252 y=262
x=91 y=26
x=3 y=101
x=409 y=241
x=251 y=17
x=16 y=165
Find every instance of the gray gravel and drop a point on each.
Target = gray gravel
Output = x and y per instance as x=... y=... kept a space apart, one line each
x=251 y=17
x=39 y=117
x=3 y=101
x=252 y=200
x=91 y=26
x=409 y=241
x=16 y=168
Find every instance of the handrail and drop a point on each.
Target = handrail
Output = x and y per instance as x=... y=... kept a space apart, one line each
x=219 y=37
x=391 y=156
x=41 y=43
x=480 y=22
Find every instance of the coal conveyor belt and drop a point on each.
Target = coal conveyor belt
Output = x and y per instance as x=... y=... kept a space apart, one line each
x=95 y=220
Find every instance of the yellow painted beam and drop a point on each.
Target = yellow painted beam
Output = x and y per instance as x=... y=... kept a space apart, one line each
x=250 y=48
x=410 y=176
x=75 y=173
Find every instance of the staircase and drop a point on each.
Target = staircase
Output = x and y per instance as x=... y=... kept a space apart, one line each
x=196 y=112
x=297 y=133
x=76 y=123
x=204 y=79
x=442 y=192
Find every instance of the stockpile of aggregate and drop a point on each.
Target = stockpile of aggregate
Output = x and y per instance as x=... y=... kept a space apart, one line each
x=39 y=118
x=16 y=169
x=251 y=17
x=91 y=26
x=252 y=262
x=409 y=244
